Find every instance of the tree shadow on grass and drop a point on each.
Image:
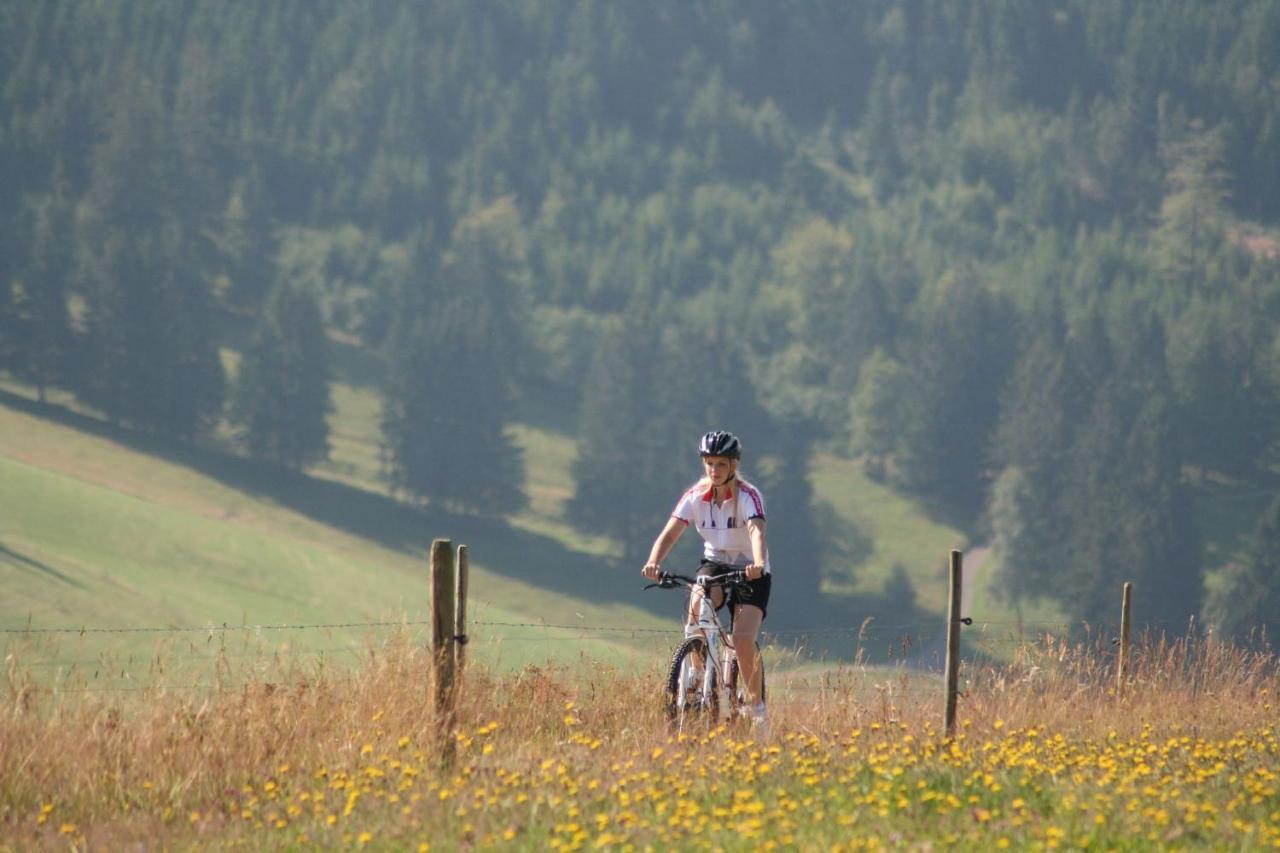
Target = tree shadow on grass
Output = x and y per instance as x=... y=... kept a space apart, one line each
x=880 y=628
x=11 y=556
x=836 y=627
x=492 y=542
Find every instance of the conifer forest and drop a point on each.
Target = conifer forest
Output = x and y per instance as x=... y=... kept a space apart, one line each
x=1019 y=259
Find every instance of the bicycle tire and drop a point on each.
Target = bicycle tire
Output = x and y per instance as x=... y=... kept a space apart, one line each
x=737 y=695
x=683 y=706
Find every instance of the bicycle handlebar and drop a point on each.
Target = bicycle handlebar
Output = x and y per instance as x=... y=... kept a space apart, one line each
x=670 y=580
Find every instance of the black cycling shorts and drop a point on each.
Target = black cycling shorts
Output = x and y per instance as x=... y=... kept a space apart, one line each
x=755 y=593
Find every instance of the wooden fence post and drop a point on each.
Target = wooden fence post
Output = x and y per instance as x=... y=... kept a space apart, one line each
x=1122 y=665
x=953 y=642
x=460 y=616
x=442 y=619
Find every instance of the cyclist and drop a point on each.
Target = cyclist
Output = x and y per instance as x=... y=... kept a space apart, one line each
x=729 y=513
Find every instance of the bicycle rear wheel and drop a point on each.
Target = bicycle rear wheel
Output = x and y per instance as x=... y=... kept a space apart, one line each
x=690 y=697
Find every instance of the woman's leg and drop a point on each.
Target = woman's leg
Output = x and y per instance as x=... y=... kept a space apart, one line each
x=695 y=601
x=747 y=619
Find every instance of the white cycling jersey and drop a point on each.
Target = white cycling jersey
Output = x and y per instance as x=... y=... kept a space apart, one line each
x=723 y=526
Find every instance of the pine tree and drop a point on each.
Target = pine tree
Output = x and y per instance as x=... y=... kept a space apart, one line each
x=957 y=366
x=647 y=400
x=458 y=344
x=151 y=360
x=42 y=313
x=1033 y=430
x=446 y=412
x=627 y=474
x=1127 y=515
x=282 y=392
x=244 y=245
x=794 y=542
x=1024 y=537
x=879 y=128
x=1192 y=212
x=150 y=356
x=877 y=415
x=1245 y=603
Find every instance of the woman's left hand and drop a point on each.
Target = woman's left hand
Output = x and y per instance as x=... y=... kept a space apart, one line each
x=754 y=571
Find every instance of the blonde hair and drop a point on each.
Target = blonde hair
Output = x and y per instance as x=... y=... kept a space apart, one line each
x=738 y=477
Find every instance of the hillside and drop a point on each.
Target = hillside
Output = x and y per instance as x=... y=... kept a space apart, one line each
x=1017 y=262
x=105 y=530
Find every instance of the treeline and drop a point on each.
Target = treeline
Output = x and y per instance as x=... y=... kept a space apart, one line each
x=1017 y=256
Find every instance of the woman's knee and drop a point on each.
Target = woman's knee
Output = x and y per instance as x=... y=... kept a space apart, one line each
x=744 y=636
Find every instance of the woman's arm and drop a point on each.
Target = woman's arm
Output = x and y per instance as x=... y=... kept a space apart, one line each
x=759 y=548
x=662 y=547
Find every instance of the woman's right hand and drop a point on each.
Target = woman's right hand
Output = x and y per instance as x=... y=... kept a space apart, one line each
x=651 y=571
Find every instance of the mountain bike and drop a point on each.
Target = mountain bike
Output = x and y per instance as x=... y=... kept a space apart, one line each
x=706 y=665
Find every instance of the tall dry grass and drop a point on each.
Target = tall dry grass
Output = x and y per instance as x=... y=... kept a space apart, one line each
x=157 y=764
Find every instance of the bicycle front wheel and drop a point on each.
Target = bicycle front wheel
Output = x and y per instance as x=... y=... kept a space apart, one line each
x=691 y=695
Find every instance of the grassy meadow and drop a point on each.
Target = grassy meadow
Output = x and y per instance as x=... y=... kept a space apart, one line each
x=1047 y=754
x=201 y=651
x=97 y=534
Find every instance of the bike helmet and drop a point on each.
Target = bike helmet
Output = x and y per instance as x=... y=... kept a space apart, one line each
x=720 y=443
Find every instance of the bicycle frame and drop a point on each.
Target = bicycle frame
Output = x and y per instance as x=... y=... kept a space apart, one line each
x=720 y=649
x=718 y=667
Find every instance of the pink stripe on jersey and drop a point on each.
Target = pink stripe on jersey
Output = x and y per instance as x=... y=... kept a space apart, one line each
x=686 y=494
x=755 y=500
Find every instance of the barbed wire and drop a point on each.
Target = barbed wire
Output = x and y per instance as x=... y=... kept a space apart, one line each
x=593 y=628
x=259 y=653
x=864 y=628
x=177 y=629
x=912 y=644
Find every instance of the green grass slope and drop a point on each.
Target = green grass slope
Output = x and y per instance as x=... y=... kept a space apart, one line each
x=97 y=533
x=897 y=528
x=106 y=529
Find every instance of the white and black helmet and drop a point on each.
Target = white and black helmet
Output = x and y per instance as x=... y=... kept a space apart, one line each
x=720 y=443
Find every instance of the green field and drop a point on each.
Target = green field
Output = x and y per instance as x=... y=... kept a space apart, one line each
x=104 y=529
x=96 y=533
x=900 y=532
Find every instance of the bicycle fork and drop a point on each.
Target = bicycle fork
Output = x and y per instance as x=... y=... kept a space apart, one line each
x=711 y=684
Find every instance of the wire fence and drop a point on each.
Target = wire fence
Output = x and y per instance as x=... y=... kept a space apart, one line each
x=850 y=630
x=906 y=657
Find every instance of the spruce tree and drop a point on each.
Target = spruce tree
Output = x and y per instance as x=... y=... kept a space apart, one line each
x=1028 y=448
x=627 y=473
x=244 y=243
x=1127 y=515
x=647 y=399
x=446 y=412
x=456 y=349
x=43 y=318
x=151 y=359
x=794 y=542
x=957 y=366
x=877 y=414
x=282 y=391
x=1246 y=600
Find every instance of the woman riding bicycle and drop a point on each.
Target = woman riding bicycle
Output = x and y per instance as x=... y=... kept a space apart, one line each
x=729 y=513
